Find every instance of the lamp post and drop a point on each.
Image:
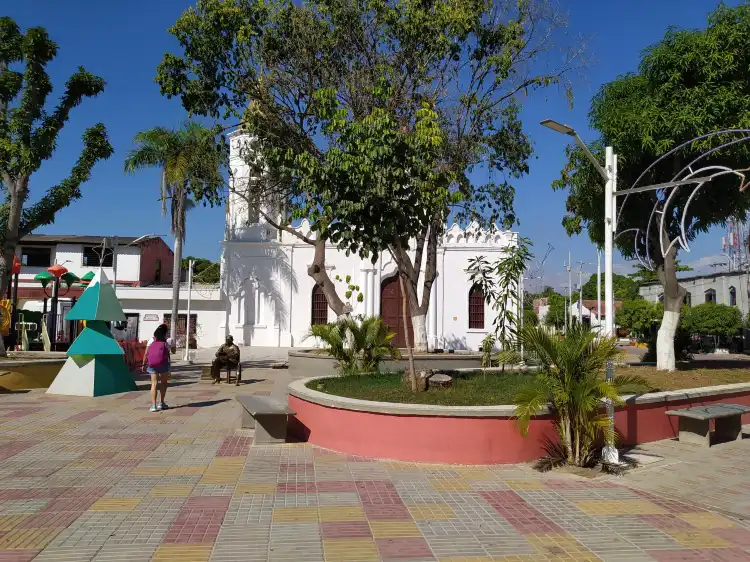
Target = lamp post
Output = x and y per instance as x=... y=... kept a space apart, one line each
x=609 y=175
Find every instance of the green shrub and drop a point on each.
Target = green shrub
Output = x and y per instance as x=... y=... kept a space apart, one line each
x=358 y=345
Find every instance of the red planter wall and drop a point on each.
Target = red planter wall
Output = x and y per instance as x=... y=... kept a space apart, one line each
x=467 y=440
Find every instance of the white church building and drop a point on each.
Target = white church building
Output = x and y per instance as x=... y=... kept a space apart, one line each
x=272 y=301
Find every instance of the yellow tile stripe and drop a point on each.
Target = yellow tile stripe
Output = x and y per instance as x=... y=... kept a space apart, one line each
x=295 y=515
x=8 y=522
x=330 y=514
x=706 y=520
x=223 y=470
x=172 y=491
x=524 y=484
x=699 y=539
x=350 y=550
x=433 y=511
x=115 y=504
x=450 y=485
x=182 y=553
x=28 y=538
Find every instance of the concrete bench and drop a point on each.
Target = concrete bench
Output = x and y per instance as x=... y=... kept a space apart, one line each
x=695 y=422
x=267 y=416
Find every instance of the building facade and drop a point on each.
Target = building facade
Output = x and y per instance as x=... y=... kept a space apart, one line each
x=144 y=270
x=730 y=288
x=272 y=301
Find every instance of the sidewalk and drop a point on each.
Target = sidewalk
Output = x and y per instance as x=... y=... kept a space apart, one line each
x=105 y=480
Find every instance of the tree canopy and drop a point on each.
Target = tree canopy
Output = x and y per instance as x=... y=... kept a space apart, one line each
x=204 y=270
x=374 y=120
x=29 y=131
x=643 y=275
x=691 y=83
x=639 y=316
x=712 y=319
x=624 y=287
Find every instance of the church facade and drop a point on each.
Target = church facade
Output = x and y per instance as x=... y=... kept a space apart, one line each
x=272 y=301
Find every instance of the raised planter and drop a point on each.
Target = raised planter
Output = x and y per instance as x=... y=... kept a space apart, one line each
x=312 y=363
x=471 y=434
x=29 y=369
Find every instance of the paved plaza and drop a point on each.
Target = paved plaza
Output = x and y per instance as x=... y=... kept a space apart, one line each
x=105 y=480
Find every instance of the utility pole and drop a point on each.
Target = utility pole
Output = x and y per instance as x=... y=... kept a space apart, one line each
x=187 y=324
x=570 y=292
x=599 y=290
x=580 y=292
x=565 y=327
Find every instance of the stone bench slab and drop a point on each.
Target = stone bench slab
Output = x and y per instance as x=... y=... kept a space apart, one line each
x=267 y=416
x=713 y=412
x=695 y=423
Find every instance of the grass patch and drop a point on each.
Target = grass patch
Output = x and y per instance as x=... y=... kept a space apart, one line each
x=689 y=375
x=469 y=389
x=476 y=389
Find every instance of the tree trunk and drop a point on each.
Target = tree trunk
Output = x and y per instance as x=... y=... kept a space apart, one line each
x=16 y=190
x=319 y=274
x=177 y=269
x=674 y=295
x=412 y=370
x=410 y=271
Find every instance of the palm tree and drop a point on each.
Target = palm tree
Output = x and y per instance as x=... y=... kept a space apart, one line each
x=358 y=345
x=191 y=162
x=570 y=378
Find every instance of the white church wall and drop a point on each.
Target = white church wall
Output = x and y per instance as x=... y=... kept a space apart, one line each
x=268 y=292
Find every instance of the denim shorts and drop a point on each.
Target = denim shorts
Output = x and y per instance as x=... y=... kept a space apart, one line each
x=158 y=371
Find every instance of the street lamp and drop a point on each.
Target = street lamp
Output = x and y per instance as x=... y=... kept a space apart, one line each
x=609 y=175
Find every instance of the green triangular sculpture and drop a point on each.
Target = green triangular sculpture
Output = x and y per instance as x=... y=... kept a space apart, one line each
x=95 y=364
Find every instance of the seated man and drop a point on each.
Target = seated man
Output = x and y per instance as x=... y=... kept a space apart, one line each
x=227 y=357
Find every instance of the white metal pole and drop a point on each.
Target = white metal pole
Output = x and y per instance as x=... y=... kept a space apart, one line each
x=580 y=295
x=599 y=289
x=115 y=240
x=565 y=330
x=570 y=288
x=187 y=323
x=610 y=454
x=522 y=312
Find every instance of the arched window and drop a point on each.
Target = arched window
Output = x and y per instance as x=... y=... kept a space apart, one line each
x=710 y=295
x=476 y=308
x=688 y=299
x=732 y=296
x=319 y=306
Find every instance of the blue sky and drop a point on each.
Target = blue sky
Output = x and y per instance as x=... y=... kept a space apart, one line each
x=124 y=41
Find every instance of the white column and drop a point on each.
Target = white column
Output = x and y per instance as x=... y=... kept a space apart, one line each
x=261 y=307
x=432 y=311
x=256 y=288
x=373 y=293
x=365 y=289
x=609 y=307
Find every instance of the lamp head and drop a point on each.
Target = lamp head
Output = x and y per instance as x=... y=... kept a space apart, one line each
x=558 y=127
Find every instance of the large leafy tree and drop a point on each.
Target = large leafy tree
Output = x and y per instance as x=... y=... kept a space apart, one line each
x=643 y=274
x=713 y=319
x=624 y=287
x=371 y=116
x=691 y=83
x=28 y=135
x=638 y=316
x=191 y=163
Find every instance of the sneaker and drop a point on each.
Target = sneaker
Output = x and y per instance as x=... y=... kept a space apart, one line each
x=154 y=408
x=163 y=406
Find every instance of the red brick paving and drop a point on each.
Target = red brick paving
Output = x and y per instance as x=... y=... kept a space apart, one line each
x=235 y=447
x=297 y=488
x=738 y=536
x=336 y=486
x=346 y=529
x=18 y=555
x=404 y=549
x=387 y=512
x=524 y=518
